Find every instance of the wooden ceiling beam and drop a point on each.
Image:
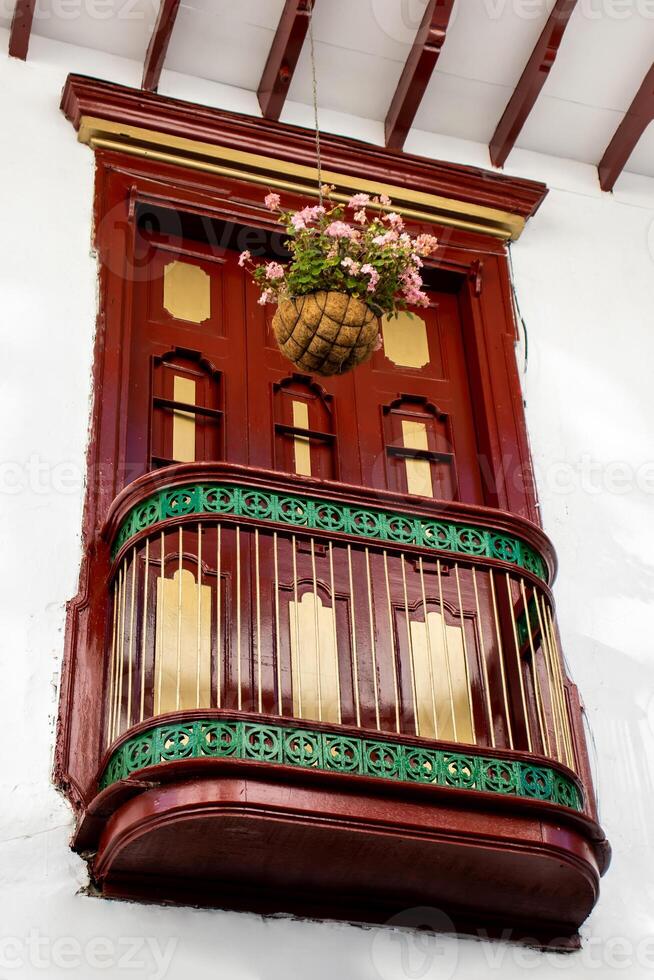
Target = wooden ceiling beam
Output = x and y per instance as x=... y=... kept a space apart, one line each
x=158 y=46
x=283 y=57
x=417 y=71
x=638 y=117
x=21 y=28
x=531 y=82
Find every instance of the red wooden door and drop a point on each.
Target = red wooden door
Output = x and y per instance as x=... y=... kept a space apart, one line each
x=206 y=381
x=187 y=360
x=414 y=421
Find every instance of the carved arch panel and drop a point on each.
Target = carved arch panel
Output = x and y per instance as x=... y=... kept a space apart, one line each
x=187 y=418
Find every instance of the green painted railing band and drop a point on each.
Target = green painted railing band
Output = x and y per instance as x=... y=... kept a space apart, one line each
x=305 y=748
x=298 y=512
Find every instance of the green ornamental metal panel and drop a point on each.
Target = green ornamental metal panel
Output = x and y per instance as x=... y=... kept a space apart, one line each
x=344 y=753
x=298 y=512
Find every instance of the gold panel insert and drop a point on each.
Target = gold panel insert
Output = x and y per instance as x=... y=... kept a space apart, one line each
x=418 y=471
x=301 y=444
x=187 y=292
x=405 y=340
x=182 y=659
x=184 y=422
x=441 y=681
x=314 y=661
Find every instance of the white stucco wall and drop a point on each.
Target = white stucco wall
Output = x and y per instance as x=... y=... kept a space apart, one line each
x=584 y=277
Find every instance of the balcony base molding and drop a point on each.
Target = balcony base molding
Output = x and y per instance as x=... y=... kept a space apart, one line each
x=348 y=853
x=263 y=835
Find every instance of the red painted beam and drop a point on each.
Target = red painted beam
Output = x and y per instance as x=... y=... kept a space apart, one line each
x=158 y=46
x=21 y=28
x=283 y=56
x=639 y=115
x=533 y=78
x=417 y=71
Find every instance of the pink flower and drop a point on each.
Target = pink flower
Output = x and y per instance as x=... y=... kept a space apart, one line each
x=394 y=220
x=267 y=296
x=300 y=219
x=360 y=216
x=385 y=200
x=414 y=296
x=244 y=257
x=349 y=263
x=339 y=229
x=386 y=238
x=370 y=270
x=272 y=201
x=411 y=279
x=358 y=201
x=274 y=270
x=425 y=244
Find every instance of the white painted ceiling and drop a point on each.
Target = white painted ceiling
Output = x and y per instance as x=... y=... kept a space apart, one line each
x=361 y=46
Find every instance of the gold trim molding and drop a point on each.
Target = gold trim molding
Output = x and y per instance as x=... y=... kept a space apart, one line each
x=226 y=161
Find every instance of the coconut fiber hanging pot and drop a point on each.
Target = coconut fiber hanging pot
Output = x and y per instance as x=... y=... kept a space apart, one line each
x=326 y=333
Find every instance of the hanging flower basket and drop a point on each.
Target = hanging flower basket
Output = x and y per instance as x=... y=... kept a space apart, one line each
x=341 y=278
x=326 y=332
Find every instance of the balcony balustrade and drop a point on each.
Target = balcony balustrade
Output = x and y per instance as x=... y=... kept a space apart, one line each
x=341 y=641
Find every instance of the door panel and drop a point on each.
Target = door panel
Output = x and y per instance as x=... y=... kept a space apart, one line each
x=414 y=395
x=266 y=367
x=202 y=341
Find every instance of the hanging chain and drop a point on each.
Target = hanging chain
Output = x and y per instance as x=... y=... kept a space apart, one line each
x=315 y=100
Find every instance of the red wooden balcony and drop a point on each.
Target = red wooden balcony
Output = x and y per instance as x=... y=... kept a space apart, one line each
x=338 y=702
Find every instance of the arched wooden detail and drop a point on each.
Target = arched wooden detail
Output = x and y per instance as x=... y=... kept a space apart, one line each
x=420 y=457
x=186 y=422
x=305 y=432
x=437 y=653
